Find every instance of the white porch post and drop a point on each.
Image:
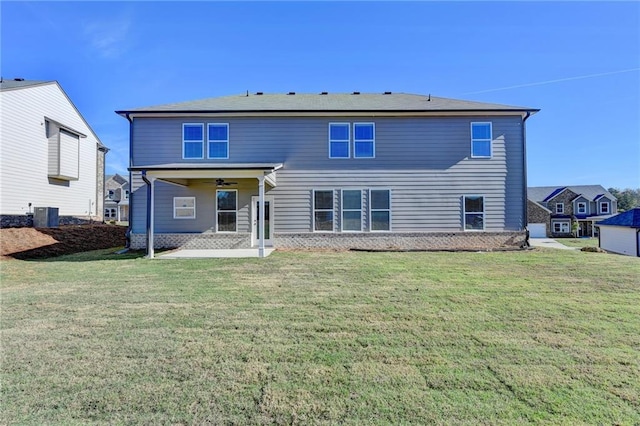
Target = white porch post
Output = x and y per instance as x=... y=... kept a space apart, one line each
x=261 y=213
x=152 y=218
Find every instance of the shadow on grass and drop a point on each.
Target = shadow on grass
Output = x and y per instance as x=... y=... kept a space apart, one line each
x=113 y=253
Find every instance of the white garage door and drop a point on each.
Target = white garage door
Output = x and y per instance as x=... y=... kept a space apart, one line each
x=537 y=230
x=618 y=239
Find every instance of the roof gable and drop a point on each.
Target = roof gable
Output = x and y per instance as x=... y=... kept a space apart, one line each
x=630 y=218
x=21 y=83
x=590 y=192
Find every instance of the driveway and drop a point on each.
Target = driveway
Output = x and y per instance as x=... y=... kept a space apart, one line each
x=548 y=243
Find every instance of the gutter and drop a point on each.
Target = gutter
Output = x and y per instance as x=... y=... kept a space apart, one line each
x=525 y=214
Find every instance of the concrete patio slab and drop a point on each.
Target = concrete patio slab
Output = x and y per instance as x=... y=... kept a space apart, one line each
x=204 y=254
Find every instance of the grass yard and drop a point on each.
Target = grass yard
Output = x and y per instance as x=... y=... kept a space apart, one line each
x=578 y=242
x=543 y=336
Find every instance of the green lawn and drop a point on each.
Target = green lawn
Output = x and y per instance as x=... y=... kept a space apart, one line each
x=542 y=336
x=578 y=242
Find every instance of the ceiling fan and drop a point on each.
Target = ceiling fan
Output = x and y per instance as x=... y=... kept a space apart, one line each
x=221 y=182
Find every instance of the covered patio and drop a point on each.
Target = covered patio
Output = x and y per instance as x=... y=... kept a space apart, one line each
x=187 y=174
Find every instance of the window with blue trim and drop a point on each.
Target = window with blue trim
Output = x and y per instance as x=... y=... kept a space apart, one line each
x=481 y=140
x=364 y=140
x=192 y=140
x=218 y=140
x=339 y=140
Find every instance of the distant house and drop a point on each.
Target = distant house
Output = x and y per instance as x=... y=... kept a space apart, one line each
x=621 y=233
x=50 y=156
x=350 y=170
x=552 y=210
x=116 y=200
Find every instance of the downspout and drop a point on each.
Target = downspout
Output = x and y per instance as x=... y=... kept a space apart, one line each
x=130 y=226
x=144 y=178
x=524 y=168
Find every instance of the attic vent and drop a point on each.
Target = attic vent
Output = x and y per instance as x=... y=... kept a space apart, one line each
x=259 y=93
x=324 y=93
x=291 y=93
x=356 y=93
x=387 y=93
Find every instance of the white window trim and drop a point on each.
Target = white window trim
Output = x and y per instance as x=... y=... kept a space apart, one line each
x=361 y=210
x=464 y=213
x=185 y=208
x=210 y=141
x=227 y=211
x=561 y=205
x=348 y=141
x=584 y=211
x=185 y=141
x=490 y=140
x=561 y=223
x=373 y=141
x=313 y=210
x=379 y=210
x=605 y=203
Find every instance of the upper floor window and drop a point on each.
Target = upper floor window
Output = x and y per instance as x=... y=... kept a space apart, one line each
x=481 y=140
x=111 y=194
x=339 y=140
x=559 y=208
x=218 y=140
x=184 y=207
x=582 y=207
x=364 y=140
x=323 y=210
x=126 y=194
x=604 y=207
x=473 y=212
x=351 y=210
x=193 y=140
x=380 y=209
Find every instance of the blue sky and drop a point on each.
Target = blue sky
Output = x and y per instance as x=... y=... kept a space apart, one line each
x=579 y=62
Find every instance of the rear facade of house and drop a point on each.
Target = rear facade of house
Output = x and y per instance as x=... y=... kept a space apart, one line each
x=369 y=171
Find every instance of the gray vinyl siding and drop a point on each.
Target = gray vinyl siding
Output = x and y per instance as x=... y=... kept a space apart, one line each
x=425 y=162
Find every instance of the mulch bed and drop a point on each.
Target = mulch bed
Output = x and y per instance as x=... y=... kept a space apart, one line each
x=40 y=243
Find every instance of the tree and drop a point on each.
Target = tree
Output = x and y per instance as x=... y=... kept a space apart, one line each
x=627 y=199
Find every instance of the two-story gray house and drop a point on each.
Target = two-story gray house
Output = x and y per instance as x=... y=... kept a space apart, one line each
x=368 y=171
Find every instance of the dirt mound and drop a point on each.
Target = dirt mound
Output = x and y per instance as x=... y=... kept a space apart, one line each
x=38 y=243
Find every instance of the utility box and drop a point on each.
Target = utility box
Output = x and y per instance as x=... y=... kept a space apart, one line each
x=45 y=217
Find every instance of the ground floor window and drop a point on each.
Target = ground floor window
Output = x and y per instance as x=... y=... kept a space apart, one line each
x=184 y=207
x=380 y=210
x=473 y=212
x=227 y=207
x=352 y=210
x=561 y=227
x=323 y=210
x=109 y=213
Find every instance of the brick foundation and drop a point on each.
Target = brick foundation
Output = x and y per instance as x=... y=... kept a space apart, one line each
x=365 y=241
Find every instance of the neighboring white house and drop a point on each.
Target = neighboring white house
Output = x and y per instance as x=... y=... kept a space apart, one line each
x=621 y=233
x=116 y=200
x=50 y=156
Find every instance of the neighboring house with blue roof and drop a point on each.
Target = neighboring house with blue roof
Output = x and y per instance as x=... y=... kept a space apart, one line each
x=584 y=204
x=621 y=233
x=349 y=170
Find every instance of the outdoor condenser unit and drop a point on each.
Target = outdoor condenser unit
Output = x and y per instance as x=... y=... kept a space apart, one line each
x=45 y=217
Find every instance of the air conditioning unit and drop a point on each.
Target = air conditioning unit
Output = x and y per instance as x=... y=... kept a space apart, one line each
x=45 y=217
